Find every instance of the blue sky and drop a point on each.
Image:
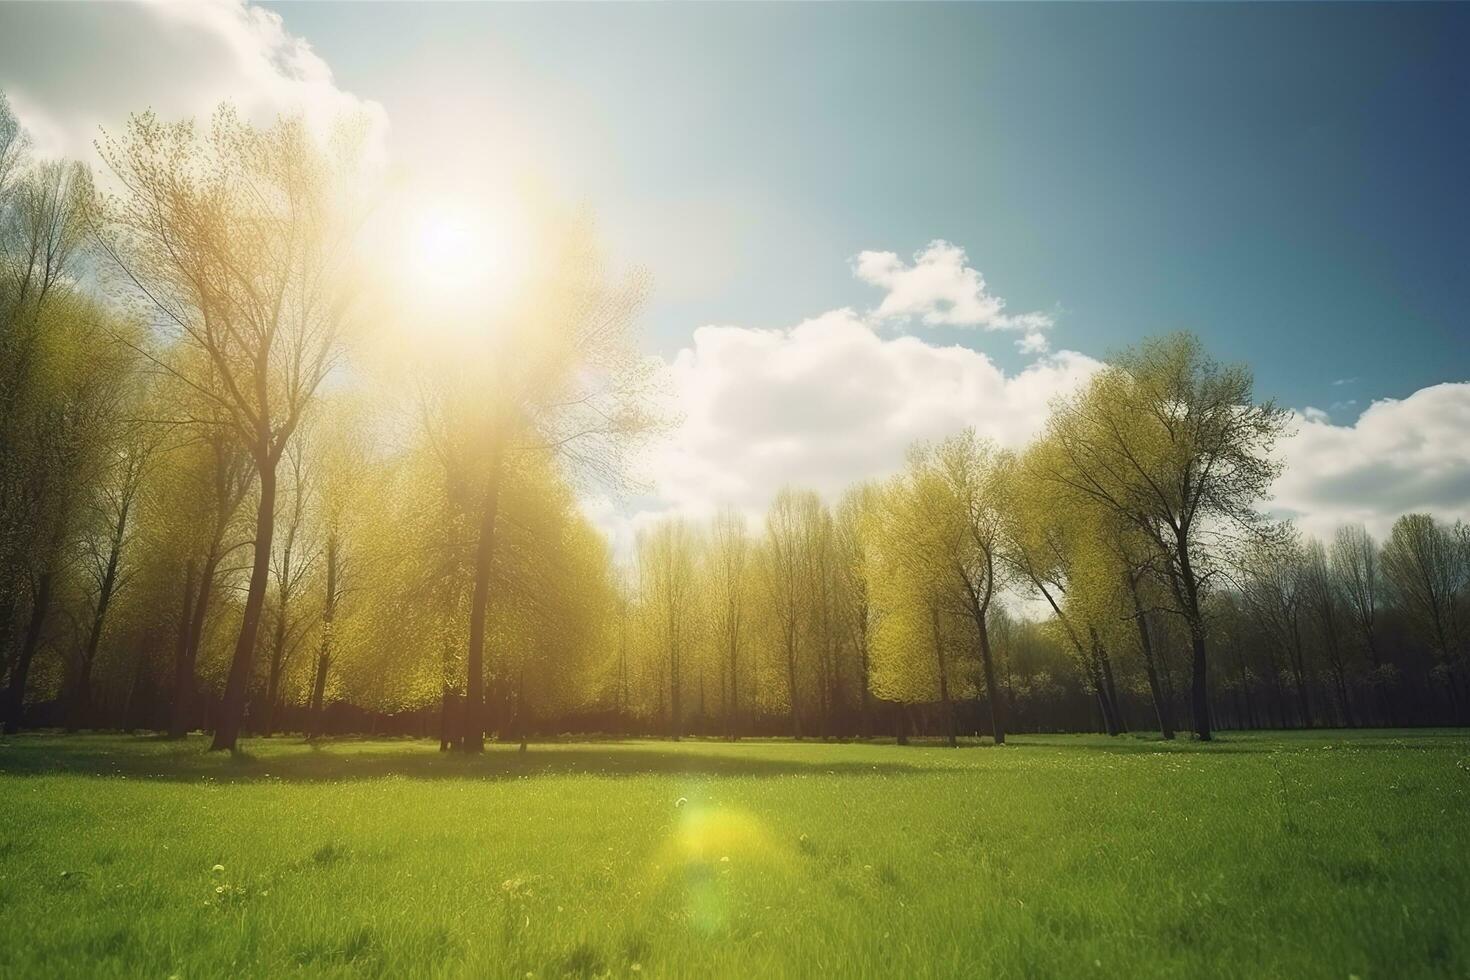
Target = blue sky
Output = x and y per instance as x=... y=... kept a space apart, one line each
x=1287 y=180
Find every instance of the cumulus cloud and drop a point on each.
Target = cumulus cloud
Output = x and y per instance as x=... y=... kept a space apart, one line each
x=70 y=68
x=829 y=402
x=941 y=289
x=1401 y=455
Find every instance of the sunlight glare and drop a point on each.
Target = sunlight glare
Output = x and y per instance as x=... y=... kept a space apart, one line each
x=461 y=258
x=451 y=251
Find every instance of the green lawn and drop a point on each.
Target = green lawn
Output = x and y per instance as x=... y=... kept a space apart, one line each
x=1331 y=855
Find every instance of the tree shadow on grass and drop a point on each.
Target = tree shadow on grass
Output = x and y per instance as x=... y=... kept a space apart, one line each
x=1128 y=745
x=1258 y=742
x=287 y=760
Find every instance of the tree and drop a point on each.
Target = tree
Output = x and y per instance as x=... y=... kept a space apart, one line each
x=397 y=633
x=856 y=518
x=971 y=476
x=667 y=583
x=1142 y=594
x=64 y=447
x=1275 y=586
x=783 y=566
x=624 y=605
x=49 y=332
x=1427 y=565
x=1174 y=443
x=1039 y=545
x=728 y=574
x=196 y=500
x=1354 y=563
x=292 y=561
x=552 y=594
x=550 y=371
x=1325 y=602
x=342 y=461
x=65 y=375
x=820 y=586
x=105 y=555
x=919 y=653
x=240 y=240
x=1114 y=589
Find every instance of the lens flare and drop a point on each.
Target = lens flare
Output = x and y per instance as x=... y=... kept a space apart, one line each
x=709 y=844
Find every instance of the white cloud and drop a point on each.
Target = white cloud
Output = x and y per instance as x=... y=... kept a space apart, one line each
x=941 y=289
x=70 y=68
x=829 y=402
x=1315 y=415
x=1401 y=455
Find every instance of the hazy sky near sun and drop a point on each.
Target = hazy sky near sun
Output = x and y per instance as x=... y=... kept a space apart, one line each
x=1289 y=181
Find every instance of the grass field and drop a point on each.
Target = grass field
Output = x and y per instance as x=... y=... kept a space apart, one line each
x=1331 y=854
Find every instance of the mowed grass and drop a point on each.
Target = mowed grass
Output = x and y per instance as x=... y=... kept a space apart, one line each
x=1324 y=855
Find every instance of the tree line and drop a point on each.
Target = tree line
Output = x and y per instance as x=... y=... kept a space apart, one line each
x=1116 y=573
x=242 y=489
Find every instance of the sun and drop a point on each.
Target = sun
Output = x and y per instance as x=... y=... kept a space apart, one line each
x=457 y=254
x=453 y=261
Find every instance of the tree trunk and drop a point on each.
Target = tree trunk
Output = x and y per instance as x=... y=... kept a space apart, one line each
x=472 y=738
x=674 y=689
x=1162 y=708
x=951 y=736
x=273 y=678
x=520 y=715
x=1187 y=589
x=1250 y=711
x=131 y=710
x=1458 y=674
x=1106 y=664
x=791 y=679
x=1100 y=691
x=1385 y=704
x=725 y=702
x=232 y=706
x=1449 y=680
x=1108 y=725
x=1198 y=689
x=1375 y=662
x=316 y=708
x=7 y=624
x=183 y=669
x=1348 y=715
x=1299 y=674
x=15 y=697
x=80 y=702
x=622 y=708
x=446 y=720
x=1088 y=660
x=734 y=706
x=997 y=719
x=185 y=689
